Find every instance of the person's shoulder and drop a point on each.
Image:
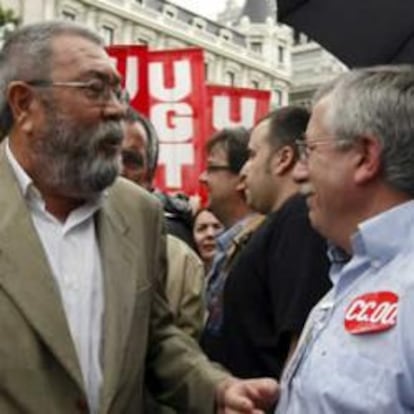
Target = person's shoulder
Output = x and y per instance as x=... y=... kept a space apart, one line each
x=293 y=210
x=177 y=247
x=295 y=205
x=126 y=192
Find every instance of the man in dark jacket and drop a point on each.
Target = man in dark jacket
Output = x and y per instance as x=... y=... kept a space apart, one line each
x=282 y=271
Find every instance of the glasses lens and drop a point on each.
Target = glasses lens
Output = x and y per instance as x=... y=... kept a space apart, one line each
x=214 y=168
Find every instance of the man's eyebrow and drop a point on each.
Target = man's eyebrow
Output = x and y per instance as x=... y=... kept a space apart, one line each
x=111 y=78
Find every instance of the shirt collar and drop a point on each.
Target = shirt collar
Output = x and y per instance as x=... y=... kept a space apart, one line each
x=225 y=238
x=384 y=235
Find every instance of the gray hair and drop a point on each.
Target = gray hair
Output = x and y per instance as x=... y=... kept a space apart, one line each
x=378 y=101
x=26 y=55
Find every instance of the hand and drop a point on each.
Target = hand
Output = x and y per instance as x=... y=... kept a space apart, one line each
x=253 y=396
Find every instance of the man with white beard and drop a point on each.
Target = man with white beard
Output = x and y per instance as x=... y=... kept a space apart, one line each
x=83 y=317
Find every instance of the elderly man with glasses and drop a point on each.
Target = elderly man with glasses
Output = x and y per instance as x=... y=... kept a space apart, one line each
x=83 y=316
x=356 y=353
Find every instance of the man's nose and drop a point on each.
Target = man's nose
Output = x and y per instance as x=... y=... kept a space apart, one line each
x=210 y=231
x=114 y=108
x=244 y=170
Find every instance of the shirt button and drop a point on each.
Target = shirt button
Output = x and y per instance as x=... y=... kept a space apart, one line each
x=376 y=264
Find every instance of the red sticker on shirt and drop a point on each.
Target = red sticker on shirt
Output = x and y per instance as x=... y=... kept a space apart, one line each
x=371 y=312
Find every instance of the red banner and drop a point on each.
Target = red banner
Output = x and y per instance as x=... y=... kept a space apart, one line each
x=177 y=110
x=169 y=87
x=235 y=107
x=132 y=63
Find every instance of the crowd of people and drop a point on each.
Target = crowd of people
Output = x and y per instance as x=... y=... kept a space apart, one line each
x=290 y=292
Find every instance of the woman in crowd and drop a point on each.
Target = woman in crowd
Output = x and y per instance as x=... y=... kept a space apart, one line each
x=206 y=227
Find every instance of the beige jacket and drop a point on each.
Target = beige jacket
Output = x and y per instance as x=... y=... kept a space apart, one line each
x=185 y=286
x=39 y=368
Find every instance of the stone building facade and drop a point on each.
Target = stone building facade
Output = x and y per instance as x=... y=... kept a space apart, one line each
x=252 y=55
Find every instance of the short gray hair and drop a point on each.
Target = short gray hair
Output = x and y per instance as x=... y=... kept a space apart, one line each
x=26 y=55
x=378 y=101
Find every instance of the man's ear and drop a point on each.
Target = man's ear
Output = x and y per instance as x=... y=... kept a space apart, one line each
x=20 y=98
x=282 y=160
x=368 y=159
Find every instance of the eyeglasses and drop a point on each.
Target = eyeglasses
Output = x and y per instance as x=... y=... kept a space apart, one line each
x=305 y=148
x=211 y=168
x=95 y=89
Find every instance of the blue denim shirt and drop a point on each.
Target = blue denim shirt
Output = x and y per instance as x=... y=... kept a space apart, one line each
x=217 y=276
x=335 y=370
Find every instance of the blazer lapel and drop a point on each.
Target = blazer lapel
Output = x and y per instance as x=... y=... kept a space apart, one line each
x=26 y=275
x=119 y=256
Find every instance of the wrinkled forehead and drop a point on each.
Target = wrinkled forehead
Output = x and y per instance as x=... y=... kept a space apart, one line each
x=74 y=57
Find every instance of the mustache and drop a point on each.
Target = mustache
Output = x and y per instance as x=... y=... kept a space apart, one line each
x=110 y=132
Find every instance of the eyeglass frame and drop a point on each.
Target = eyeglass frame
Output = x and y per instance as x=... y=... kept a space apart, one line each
x=212 y=168
x=305 y=148
x=101 y=92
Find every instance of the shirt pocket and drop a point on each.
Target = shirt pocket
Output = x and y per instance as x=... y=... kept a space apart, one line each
x=359 y=385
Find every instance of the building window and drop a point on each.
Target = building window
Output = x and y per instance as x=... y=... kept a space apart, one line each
x=255 y=84
x=67 y=15
x=168 y=9
x=142 y=41
x=230 y=78
x=281 y=54
x=108 y=35
x=257 y=47
x=139 y=1
x=199 y=23
x=225 y=34
x=206 y=70
x=278 y=96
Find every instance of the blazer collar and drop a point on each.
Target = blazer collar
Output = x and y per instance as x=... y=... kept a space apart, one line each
x=119 y=257
x=26 y=276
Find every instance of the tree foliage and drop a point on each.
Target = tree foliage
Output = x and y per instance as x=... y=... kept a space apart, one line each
x=8 y=16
